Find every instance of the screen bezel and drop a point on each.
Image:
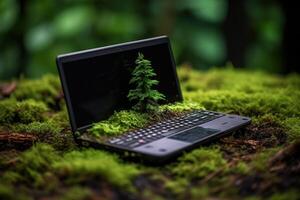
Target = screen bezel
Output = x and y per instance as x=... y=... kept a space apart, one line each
x=60 y=59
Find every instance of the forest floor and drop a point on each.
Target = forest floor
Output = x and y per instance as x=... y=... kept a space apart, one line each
x=40 y=160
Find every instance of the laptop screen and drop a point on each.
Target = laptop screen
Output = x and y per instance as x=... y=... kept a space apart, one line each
x=97 y=83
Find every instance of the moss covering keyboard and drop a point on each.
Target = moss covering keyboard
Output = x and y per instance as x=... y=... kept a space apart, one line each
x=165 y=128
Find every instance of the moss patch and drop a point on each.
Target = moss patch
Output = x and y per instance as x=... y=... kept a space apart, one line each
x=27 y=111
x=46 y=89
x=126 y=120
x=120 y=122
x=33 y=168
x=80 y=166
x=199 y=163
x=293 y=126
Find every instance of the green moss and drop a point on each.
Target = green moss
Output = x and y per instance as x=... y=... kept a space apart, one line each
x=119 y=122
x=199 y=163
x=32 y=166
x=232 y=79
x=200 y=192
x=11 y=177
x=45 y=89
x=60 y=118
x=38 y=127
x=31 y=117
x=255 y=105
x=7 y=110
x=267 y=118
x=30 y=111
x=253 y=95
x=125 y=120
x=79 y=166
x=253 y=198
x=181 y=106
x=27 y=111
x=260 y=161
x=177 y=186
x=7 y=192
x=76 y=193
x=290 y=195
x=240 y=168
x=293 y=126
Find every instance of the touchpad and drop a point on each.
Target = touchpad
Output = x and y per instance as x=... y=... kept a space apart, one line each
x=194 y=134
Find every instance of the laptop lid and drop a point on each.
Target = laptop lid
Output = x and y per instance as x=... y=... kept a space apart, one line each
x=96 y=81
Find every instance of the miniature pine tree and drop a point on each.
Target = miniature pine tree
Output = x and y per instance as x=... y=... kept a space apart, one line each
x=144 y=95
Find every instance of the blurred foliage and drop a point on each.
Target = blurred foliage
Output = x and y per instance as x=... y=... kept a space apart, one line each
x=48 y=28
x=267 y=25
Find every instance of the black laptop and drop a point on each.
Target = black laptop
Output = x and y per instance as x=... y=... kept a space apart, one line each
x=96 y=83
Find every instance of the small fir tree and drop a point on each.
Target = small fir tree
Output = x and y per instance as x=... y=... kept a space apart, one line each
x=144 y=95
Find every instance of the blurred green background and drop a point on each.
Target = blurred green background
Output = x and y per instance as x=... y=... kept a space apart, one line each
x=204 y=33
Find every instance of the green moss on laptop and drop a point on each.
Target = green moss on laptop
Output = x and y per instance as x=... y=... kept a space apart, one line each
x=125 y=120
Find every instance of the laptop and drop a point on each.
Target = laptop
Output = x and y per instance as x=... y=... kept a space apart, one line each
x=96 y=83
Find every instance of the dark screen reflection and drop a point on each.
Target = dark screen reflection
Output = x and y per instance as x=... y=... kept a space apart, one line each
x=99 y=85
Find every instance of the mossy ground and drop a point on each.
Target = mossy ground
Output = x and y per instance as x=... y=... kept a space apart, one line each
x=40 y=160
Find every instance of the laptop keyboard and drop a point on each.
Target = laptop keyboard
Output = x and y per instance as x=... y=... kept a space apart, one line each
x=163 y=129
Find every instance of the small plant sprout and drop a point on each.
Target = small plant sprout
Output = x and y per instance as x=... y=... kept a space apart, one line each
x=143 y=94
